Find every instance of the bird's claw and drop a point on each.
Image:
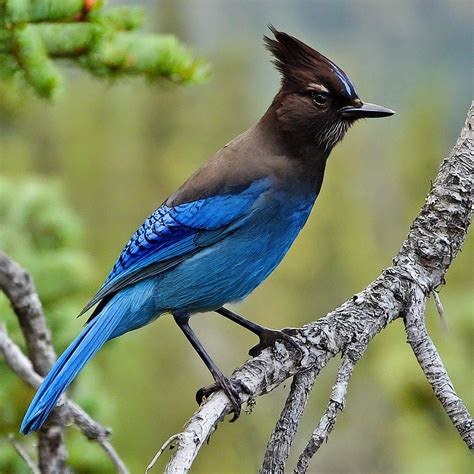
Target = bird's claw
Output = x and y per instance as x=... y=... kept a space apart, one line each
x=229 y=388
x=268 y=337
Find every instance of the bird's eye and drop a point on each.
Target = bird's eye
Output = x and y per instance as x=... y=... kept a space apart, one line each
x=319 y=98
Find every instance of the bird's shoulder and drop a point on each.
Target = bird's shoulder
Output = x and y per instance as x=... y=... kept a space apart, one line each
x=250 y=157
x=173 y=233
x=212 y=203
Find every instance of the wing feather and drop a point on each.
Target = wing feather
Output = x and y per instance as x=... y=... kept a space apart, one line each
x=172 y=234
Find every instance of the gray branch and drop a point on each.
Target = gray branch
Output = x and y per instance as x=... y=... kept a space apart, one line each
x=434 y=370
x=328 y=420
x=24 y=455
x=283 y=435
x=436 y=236
x=18 y=286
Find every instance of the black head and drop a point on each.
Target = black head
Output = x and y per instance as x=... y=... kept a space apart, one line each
x=317 y=101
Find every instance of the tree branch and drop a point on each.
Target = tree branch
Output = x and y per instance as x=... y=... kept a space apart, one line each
x=18 y=286
x=24 y=455
x=434 y=370
x=328 y=420
x=34 y=34
x=283 y=435
x=435 y=238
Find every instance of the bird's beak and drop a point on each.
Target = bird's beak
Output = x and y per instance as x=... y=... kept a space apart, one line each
x=365 y=111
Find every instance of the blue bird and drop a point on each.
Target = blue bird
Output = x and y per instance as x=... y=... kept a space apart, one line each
x=228 y=227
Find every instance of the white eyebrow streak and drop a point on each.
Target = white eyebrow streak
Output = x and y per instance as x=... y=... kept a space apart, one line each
x=317 y=87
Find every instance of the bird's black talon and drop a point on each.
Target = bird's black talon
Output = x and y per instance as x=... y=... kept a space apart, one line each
x=233 y=394
x=268 y=337
x=229 y=389
x=205 y=392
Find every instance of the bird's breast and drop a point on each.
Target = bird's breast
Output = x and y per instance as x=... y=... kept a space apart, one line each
x=232 y=268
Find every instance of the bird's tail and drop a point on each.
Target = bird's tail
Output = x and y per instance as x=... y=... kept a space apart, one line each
x=94 y=335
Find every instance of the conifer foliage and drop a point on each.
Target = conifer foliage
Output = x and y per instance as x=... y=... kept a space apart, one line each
x=34 y=34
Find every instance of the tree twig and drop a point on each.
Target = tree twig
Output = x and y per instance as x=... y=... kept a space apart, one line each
x=113 y=455
x=430 y=361
x=19 y=288
x=167 y=443
x=283 y=435
x=23 y=454
x=328 y=420
x=435 y=238
x=440 y=309
x=70 y=411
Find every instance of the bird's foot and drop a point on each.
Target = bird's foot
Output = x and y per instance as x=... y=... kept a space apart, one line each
x=229 y=387
x=268 y=337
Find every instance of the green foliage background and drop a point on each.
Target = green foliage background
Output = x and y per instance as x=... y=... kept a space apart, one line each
x=36 y=34
x=78 y=177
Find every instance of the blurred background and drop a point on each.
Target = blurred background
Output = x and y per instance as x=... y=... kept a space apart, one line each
x=77 y=177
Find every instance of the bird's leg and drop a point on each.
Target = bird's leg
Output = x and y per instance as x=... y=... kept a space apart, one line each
x=221 y=380
x=267 y=336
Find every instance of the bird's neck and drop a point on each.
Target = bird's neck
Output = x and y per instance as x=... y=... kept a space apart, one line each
x=295 y=144
x=309 y=159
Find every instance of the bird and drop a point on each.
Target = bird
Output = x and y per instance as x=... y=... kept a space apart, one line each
x=226 y=229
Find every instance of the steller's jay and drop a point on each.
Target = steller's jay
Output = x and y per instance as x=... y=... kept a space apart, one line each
x=228 y=227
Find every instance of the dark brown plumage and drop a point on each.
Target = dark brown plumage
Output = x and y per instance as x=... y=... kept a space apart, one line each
x=294 y=137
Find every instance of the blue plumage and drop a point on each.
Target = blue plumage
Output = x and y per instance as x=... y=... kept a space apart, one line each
x=73 y=359
x=203 y=254
x=172 y=234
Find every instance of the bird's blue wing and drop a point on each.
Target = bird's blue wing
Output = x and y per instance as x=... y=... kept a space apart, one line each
x=172 y=234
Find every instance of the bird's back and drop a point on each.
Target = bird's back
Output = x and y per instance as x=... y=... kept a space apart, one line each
x=260 y=152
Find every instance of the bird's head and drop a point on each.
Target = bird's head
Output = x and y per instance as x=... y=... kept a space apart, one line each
x=317 y=101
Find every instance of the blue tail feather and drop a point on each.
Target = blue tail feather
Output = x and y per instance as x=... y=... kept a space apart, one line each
x=94 y=335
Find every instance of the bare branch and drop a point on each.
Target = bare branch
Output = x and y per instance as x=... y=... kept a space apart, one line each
x=113 y=455
x=23 y=454
x=69 y=411
x=328 y=420
x=435 y=238
x=283 y=435
x=434 y=370
x=360 y=318
x=166 y=444
x=197 y=431
x=18 y=286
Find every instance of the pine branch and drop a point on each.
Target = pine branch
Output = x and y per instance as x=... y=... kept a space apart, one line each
x=35 y=34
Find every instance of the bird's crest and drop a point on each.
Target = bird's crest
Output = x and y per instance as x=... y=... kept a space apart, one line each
x=300 y=64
